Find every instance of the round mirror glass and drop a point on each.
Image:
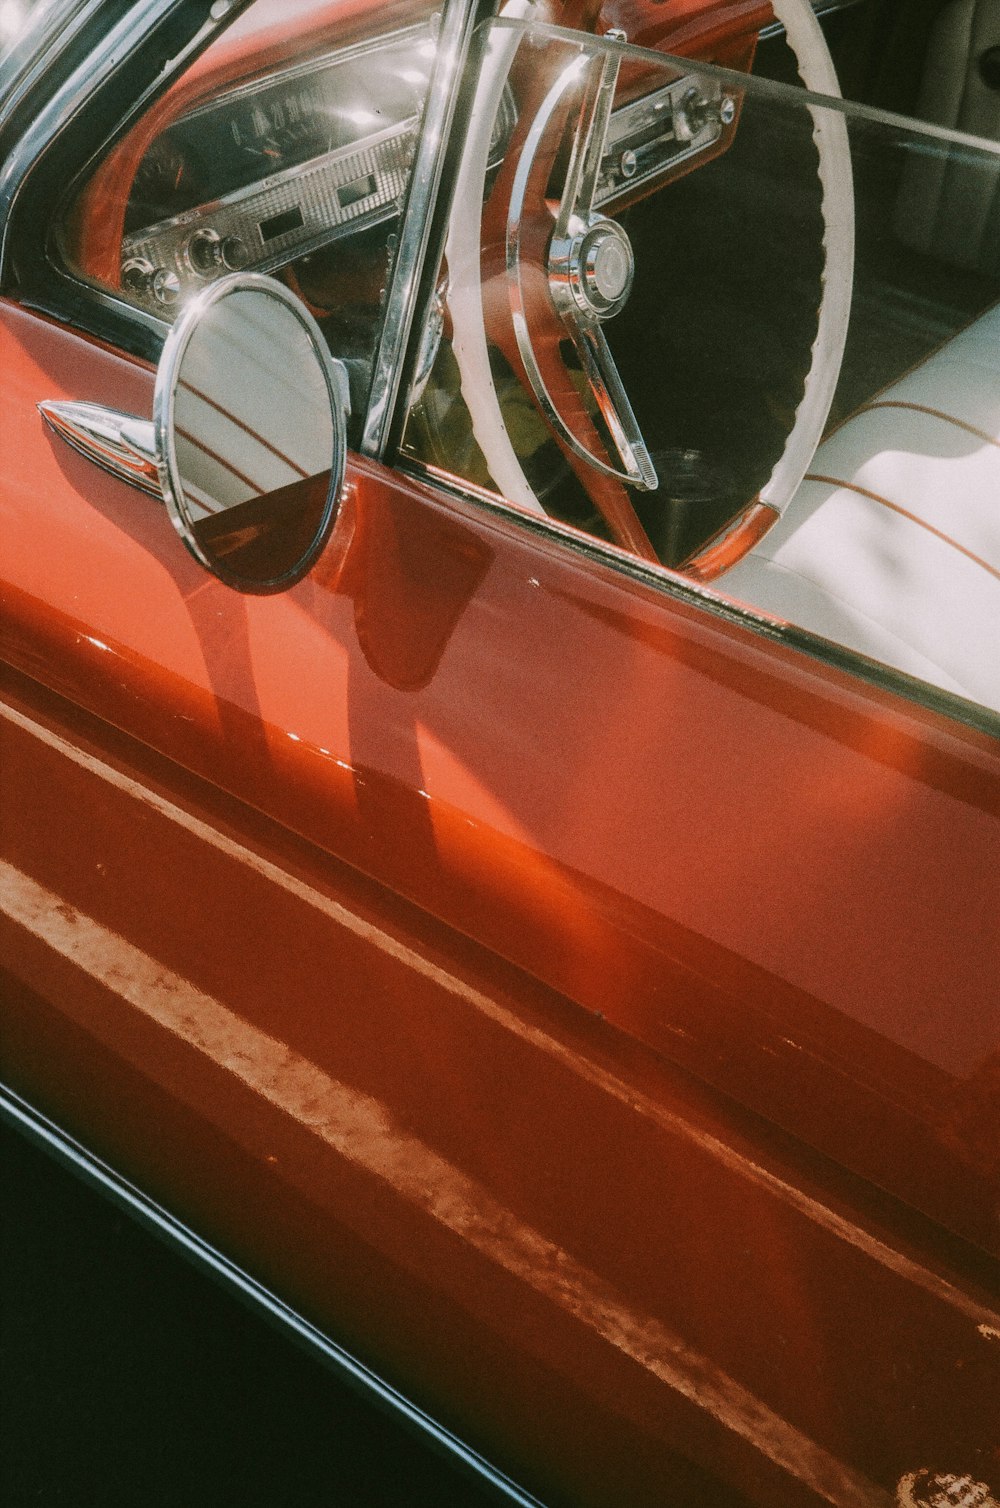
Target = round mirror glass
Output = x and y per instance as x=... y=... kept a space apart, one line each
x=249 y=420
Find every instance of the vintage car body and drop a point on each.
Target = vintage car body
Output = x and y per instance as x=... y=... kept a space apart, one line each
x=567 y=987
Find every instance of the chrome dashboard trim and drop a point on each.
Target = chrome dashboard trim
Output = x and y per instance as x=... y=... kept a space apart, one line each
x=311 y=187
x=457 y=25
x=635 y=118
x=22 y=1116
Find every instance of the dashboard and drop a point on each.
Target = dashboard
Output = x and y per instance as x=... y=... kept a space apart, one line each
x=276 y=168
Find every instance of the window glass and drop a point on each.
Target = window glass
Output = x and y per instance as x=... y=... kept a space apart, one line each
x=27 y=28
x=736 y=331
x=285 y=149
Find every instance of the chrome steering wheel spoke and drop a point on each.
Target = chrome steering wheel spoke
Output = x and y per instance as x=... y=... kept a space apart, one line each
x=588 y=275
x=590 y=138
x=613 y=405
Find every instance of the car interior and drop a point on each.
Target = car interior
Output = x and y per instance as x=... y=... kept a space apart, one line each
x=768 y=359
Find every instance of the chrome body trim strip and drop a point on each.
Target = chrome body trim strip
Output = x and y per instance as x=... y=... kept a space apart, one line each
x=19 y=1114
x=458 y=23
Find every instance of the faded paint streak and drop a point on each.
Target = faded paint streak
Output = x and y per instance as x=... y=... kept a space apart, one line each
x=362 y=1131
x=819 y=1214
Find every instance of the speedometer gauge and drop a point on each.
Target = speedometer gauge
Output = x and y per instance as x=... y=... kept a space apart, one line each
x=163 y=182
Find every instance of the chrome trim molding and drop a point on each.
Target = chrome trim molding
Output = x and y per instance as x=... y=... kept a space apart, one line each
x=311 y=187
x=455 y=35
x=18 y=1113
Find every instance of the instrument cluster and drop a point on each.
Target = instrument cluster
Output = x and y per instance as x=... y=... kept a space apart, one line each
x=276 y=168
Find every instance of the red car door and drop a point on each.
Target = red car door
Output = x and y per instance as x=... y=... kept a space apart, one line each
x=576 y=999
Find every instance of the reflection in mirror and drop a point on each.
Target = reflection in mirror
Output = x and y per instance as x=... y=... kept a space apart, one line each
x=250 y=433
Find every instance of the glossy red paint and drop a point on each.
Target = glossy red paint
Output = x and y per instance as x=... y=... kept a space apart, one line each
x=743 y=878
x=579 y=1002
x=593 y=1268
x=767 y=927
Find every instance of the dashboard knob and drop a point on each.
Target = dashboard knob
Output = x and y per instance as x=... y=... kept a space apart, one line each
x=208 y=253
x=204 y=252
x=137 y=276
x=234 y=253
x=165 y=286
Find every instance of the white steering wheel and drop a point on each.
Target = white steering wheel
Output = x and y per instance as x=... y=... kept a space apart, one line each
x=586 y=275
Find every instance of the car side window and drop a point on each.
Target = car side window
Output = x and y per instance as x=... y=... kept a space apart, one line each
x=285 y=149
x=737 y=332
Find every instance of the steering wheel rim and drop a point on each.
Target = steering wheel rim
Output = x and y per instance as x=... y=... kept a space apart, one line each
x=606 y=483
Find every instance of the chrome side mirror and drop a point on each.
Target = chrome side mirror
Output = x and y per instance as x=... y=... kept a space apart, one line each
x=248 y=440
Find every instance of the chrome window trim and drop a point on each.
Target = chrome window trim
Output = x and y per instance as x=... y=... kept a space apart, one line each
x=112 y=49
x=457 y=25
x=667 y=582
x=43 y=43
x=22 y=1116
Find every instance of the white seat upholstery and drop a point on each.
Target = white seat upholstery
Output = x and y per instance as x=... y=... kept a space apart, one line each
x=891 y=545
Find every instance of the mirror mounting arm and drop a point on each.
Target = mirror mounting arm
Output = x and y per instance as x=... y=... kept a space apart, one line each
x=121 y=444
x=125 y=445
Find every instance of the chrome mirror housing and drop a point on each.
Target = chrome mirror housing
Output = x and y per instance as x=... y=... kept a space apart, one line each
x=248 y=440
x=248 y=421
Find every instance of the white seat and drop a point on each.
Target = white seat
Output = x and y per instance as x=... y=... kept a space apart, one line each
x=891 y=545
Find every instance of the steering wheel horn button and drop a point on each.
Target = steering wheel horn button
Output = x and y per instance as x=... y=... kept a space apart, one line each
x=608 y=268
x=591 y=272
